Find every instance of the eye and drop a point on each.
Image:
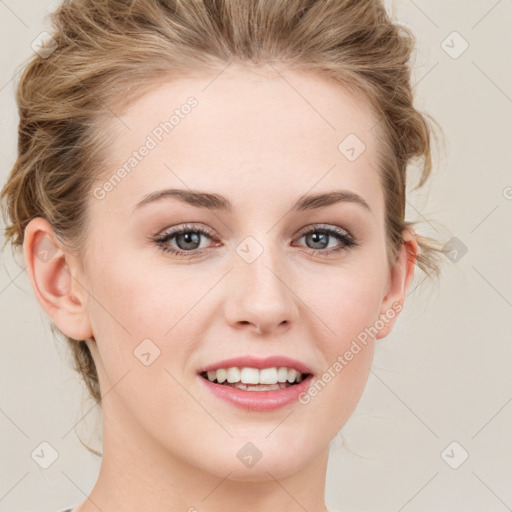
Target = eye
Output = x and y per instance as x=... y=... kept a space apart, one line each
x=187 y=238
x=318 y=237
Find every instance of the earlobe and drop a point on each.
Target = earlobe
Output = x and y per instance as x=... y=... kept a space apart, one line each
x=399 y=280
x=54 y=286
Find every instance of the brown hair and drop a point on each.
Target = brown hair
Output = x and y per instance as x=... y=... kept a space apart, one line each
x=108 y=52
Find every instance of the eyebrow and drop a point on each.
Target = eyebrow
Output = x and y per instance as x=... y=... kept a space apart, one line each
x=221 y=203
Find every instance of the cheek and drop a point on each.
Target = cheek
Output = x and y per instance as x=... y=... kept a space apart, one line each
x=143 y=313
x=144 y=339
x=137 y=299
x=345 y=300
x=348 y=304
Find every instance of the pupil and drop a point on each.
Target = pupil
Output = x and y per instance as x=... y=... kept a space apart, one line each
x=316 y=236
x=190 y=238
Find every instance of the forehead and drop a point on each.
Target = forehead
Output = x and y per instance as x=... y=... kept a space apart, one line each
x=248 y=134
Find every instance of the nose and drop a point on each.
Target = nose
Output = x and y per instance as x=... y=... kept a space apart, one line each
x=260 y=295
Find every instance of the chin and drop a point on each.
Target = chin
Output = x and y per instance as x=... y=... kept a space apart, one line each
x=275 y=466
x=255 y=458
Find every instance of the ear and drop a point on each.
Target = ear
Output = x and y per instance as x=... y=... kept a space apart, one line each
x=53 y=281
x=399 y=279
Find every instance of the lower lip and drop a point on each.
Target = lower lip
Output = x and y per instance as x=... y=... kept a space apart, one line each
x=258 y=400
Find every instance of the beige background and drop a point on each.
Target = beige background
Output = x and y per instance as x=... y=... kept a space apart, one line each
x=443 y=375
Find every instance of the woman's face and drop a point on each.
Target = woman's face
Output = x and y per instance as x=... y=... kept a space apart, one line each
x=263 y=280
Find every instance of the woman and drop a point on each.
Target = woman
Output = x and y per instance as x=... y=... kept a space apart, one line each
x=210 y=198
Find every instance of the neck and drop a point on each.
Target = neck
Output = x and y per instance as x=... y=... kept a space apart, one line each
x=138 y=473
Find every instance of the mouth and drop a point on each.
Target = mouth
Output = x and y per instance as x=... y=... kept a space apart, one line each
x=255 y=379
x=257 y=384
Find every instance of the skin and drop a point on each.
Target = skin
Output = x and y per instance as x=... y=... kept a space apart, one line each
x=168 y=443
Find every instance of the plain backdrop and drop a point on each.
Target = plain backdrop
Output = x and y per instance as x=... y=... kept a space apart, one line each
x=432 y=430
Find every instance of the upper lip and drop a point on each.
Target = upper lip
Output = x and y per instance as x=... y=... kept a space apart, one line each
x=257 y=362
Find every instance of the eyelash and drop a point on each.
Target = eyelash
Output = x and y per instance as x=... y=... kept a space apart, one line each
x=343 y=236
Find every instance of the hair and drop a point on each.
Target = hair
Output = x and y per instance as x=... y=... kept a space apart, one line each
x=107 y=53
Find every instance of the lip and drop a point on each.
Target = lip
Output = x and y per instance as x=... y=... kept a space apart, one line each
x=258 y=400
x=260 y=363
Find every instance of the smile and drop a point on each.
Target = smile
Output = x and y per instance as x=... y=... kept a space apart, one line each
x=254 y=379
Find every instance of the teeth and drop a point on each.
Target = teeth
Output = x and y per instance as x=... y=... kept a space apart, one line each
x=233 y=374
x=222 y=375
x=282 y=374
x=292 y=375
x=249 y=376
x=254 y=376
x=260 y=387
x=268 y=376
